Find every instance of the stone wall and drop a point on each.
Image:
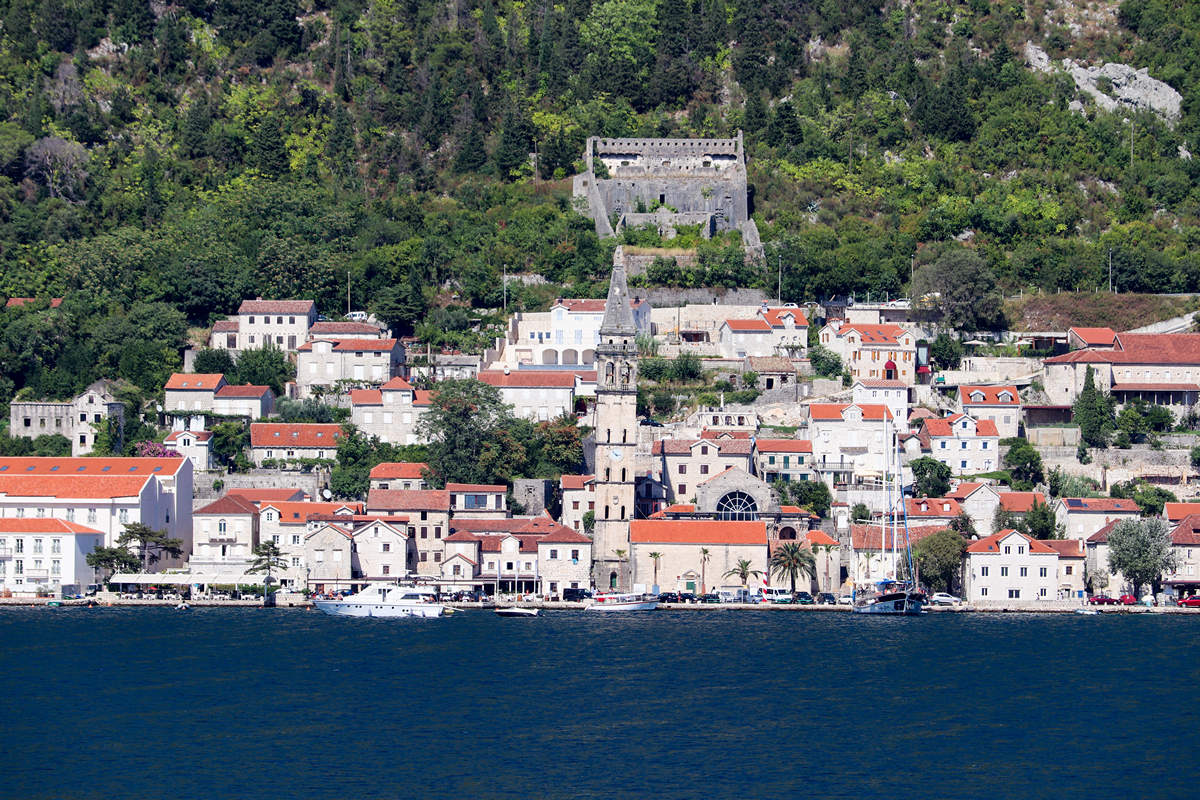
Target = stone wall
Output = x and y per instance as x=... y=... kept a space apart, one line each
x=1053 y=437
x=310 y=482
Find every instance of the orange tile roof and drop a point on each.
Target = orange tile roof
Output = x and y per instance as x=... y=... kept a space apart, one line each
x=1101 y=536
x=1177 y=511
x=881 y=383
x=1139 y=348
x=749 y=325
x=536 y=378
x=346 y=328
x=936 y=507
x=783 y=445
x=991 y=544
x=260 y=496
x=229 y=504
x=586 y=305
x=194 y=381
x=275 y=306
x=43 y=525
x=697 y=531
x=1066 y=548
x=409 y=499
x=775 y=316
x=298 y=512
x=295 y=434
x=354 y=345
x=90 y=487
x=875 y=334
x=964 y=490
x=1095 y=337
x=245 y=390
x=569 y=482
x=873 y=537
x=1021 y=502
x=201 y=436
x=820 y=538
x=496 y=488
x=989 y=395
x=834 y=411
x=718 y=435
x=946 y=426
x=87 y=465
x=366 y=397
x=403 y=470
x=225 y=326
x=1187 y=532
x=17 y=302
x=683 y=447
x=1099 y=505
x=397 y=384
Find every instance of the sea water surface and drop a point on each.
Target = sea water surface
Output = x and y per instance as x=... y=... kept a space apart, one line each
x=149 y=703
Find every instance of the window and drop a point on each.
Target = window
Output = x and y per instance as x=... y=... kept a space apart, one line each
x=942 y=445
x=1020 y=549
x=296 y=539
x=70 y=515
x=56 y=547
x=553 y=555
x=37 y=547
x=295 y=561
x=575 y=556
x=1007 y=549
x=983 y=592
x=1068 y=570
x=387 y=547
x=1042 y=572
x=983 y=571
x=1014 y=594
x=387 y=570
x=123 y=515
x=983 y=445
x=704 y=469
x=424 y=556
x=575 y=505
x=221 y=526
x=424 y=532
x=252 y=320
x=683 y=469
x=437 y=556
x=41 y=512
x=1025 y=572
x=1004 y=572
x=682 y=489
x=962 y=445
x=1042 y=592
x=457 y=570
x=55 y=567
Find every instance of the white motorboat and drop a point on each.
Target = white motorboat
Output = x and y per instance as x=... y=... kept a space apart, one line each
x=514 y=611
x=1090 y=612
x=622 y=602
x=384 y=601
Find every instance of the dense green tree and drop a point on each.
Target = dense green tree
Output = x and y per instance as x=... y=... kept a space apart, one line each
x=939 y=559
x=1024 y=463
x=825 y=362
x=211 y=361
x=1092 y=412
x=150 y=545
x=466 y=427
x=1150 y=498
x=113 y=560
x=962 y=287
x=265 y=366
x=946 y=351
x=1040 y=523
x=931 y=478
x=1141 y=551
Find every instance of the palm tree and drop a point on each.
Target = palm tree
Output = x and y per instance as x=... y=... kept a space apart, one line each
x=705 y=557
x=790 y=560
x=743 y=572
x=267 y=556
x=655 y=557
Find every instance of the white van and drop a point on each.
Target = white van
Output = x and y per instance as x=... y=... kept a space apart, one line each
x=776 y=594
x=734 y=594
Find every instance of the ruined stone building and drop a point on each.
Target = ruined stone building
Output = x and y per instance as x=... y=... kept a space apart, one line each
x=666 y=182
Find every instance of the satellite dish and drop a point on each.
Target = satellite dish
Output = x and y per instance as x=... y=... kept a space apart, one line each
x=326 y=494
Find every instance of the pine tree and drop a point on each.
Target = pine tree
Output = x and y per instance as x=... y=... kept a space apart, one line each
x=755 y=117
x=267 y=148
x=513 y=149
x=471 y=153
x=340 y=148
x=196 y=123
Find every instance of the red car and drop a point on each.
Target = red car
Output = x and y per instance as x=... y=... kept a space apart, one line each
x=1102 y=600
x=1191 y=602
x=1128 y=600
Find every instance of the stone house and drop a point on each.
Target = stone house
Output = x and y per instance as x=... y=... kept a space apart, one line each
x=78 y=419
x=399 y=475
x=324 y=364
x=779 y=332
x=286 y=441
x=1185 y=540
x=1000 y=404
x=679 y=464
x=1083 y=516
x=428 y=513
x=212 y=394
x=382 y=550
x=578 y=498
x=1091 y=338
x=890 y=393
x=966 y=445
x=932 y=510
x=774 y=372
x=286 y=523
x=281 y=323
x=196 y=446
x=225 y=533
x=1010 y=568
x=683 y=566
x=392 y=412
x=783 y=460
x=873 y=351
x=478 y=501
x=566 y=334
x=328 y=558
x=979 y=501
x=541 y=395
x=850 y=439
x=529 y=554
x=1072 y=560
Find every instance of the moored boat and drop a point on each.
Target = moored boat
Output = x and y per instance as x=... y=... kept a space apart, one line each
x=898 y=600
x=384 y=601
x=514 y=611
x=622 y=602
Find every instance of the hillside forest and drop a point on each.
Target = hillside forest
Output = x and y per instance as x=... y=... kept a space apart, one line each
x=161 y=162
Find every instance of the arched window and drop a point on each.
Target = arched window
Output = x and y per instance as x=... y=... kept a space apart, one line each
x=612 y=580
x=221 y=526
x=788 y=534
x=622 y=512
x=607 y=472
x=737 y=506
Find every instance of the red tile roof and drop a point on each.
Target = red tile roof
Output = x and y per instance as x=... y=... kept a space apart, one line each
x=675 y=508
x=989 y=395
x=873 y=335
x=353 y=345
x=1156 y=387
x=570 y=482
x=697 y=531
x=1021 y=502
x=1187 y=532
x=90 y=487
x=991 y=544
x=295 y=434
x=1099 y=505
x=710 y=434
x=815 y=537
x=42 y=525
x=1066 y=548
x=589 y=306
x=783 y=445
x=275 y=307
x=245 y=390
x=682 y=447
x=834 y=411
x=225 y=326
x=194 y=381
x=935 y=507
x=947 y=426
x=1094 y=337
x=1140 y=348
x=536 y=378
x=345 y=328
x=200 y=436
x=17 y=302
x=86 y=465
x=1175 y=512
x=1101 y=536
x=775 y=316
x=749 y=325
x=397 y=384
x=873 y=537
x=366 y=397
x=229 y=504
x=408 y=500
x=457 y=488
x=292 y=512
x=881 y=383
x=403 y=470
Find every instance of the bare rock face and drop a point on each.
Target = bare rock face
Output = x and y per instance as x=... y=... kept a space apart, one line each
x=1130 y=87
x=1037 y=58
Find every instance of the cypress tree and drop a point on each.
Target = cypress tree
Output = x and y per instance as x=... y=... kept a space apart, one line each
x=1092 y=412
x=471 y=154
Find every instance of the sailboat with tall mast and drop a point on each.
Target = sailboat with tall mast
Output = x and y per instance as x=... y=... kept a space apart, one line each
x=892 y=596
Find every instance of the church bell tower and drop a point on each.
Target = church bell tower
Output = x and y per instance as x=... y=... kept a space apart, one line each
x=616 y=434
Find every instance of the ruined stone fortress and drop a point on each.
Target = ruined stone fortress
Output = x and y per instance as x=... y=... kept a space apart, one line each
x=686 y=182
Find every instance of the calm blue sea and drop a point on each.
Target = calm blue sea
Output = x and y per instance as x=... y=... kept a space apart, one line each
x=153 y=703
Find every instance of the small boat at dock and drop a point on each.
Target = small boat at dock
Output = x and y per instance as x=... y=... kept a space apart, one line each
x=384 y=601
x=622 y=602
x=515 y=611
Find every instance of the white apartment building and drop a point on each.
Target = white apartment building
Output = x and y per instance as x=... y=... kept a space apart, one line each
x=225 y=533
x=280 y=323
x=323 y=364
x=999 y=404
x=1083 y=516
x=284 y=441
x=46 y=554
x=566 y=334
x=578 y=498
x=1010 y=568
x=771 y=332
x=195 y=446
x=890 y=393
x=851 y=439
x=103 y=494
x=198 y=392
x=529 y=554
x=541 y=395
x=783 y=460
x=967 y=446
x=873 y=351
x=392 y=412
x=78 y=419
x=285 y=523
x=478 y=501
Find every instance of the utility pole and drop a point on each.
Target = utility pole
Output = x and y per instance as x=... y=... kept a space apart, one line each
x=505 y=268
x=779 y=280
x=1110 y=270
x=347 y=291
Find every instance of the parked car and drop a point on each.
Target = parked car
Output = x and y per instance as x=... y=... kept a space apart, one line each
x=574 y=595
x=826 y=599
x=708 y=597
x=846 y=600
x=1127 y=600
x=803 y=598
x=687 y=597
x=1102 y=600
x=669 y=597
x=944 y=599
x=1190 y=602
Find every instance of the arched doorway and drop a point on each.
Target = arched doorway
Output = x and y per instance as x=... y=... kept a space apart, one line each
x=737 y=506
x=889 y=370
x=787 y=534
x=549 y=356
x=570 y=356
x=612 y=580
